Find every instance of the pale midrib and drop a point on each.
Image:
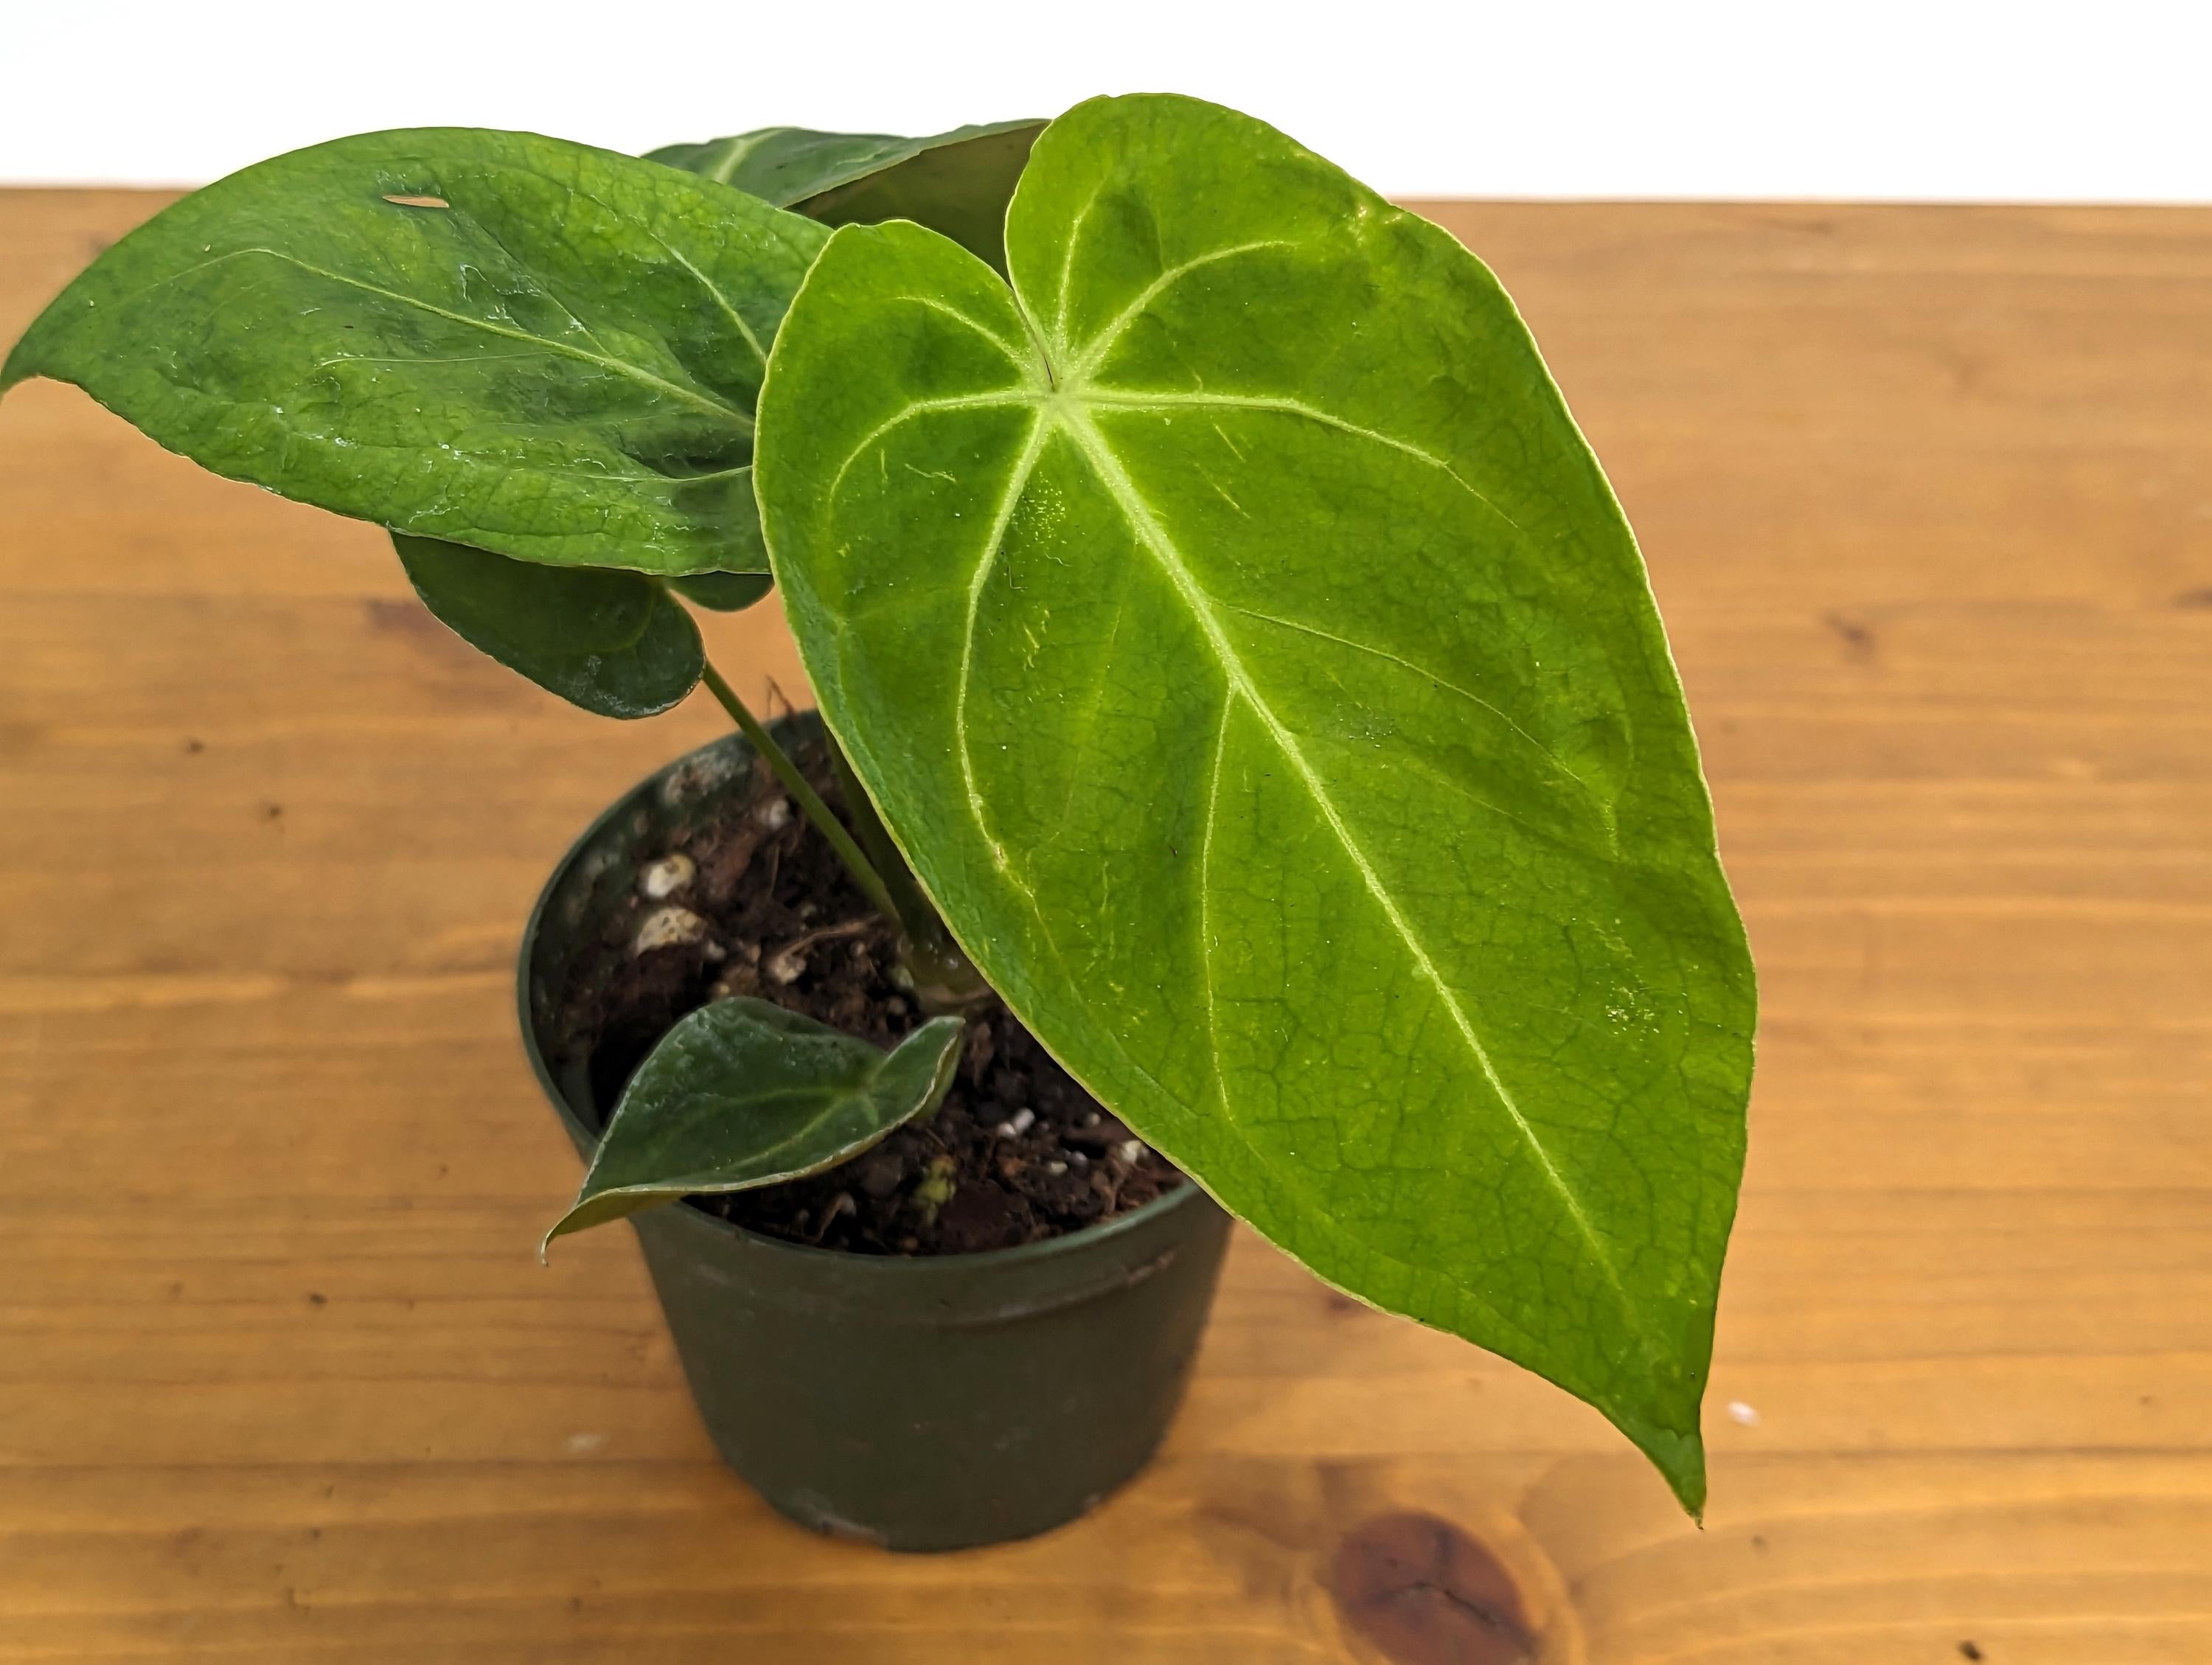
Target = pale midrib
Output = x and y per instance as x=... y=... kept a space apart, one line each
x=846 y=1098
x=1138 y=513
x=1078 y=398
x=718 y=1110
x=630 y=372
x=737 y=149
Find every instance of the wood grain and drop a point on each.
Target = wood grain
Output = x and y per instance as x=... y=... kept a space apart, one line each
x=1926 y=496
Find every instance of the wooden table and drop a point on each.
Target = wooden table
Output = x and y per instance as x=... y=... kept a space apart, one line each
x=1928 y=500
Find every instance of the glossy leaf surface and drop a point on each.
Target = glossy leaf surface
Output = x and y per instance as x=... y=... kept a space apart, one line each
x=956 y=183
x=504 y=341
x=742 y=1093
x=612 y=642
x=1247 y=652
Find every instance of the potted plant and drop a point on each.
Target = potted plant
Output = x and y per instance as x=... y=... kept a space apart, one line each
x=1249 y=753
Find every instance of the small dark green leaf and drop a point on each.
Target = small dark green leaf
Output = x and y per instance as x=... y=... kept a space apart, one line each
x=956 y=183
x=725 y=592
x=504 y=341
x=742 y=1093
x=1238 y=635
x=613 y=642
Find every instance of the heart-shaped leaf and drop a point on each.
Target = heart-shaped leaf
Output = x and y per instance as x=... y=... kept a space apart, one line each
x=957 y=183
x=1247 y=653
x=725 y=592
x=613 y=642
x=742 y=1093
x=503 y=341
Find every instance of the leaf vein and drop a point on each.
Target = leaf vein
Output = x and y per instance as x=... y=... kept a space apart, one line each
x=1444 y=683
x=1205 y=899
x=1161 y=401
x=1099 y=345
x=919 y=408
x=1014 y=354
x=1142 y=520
x=994 y=540
x=636 y=372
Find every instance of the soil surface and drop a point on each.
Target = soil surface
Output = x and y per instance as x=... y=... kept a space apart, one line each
x=759 y=904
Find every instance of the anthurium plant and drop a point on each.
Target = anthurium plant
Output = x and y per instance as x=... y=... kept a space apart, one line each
x=1241 y=662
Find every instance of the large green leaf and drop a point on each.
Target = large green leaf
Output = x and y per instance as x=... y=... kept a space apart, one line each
x=742 y=1094
x=504 y=341
x=1245 y=650
x=614 y=642
x=957 y=183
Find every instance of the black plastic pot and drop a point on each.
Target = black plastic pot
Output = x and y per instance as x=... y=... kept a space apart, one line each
x=920 y=1404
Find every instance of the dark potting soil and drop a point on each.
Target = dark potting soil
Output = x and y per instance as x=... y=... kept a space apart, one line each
x=761 y=906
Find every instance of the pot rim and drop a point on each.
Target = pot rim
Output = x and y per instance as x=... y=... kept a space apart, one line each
x=892 y=1265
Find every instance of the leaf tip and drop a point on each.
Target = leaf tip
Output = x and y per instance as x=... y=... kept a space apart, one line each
x=1680 y=1461
x=17 y=367
x=576 y=1219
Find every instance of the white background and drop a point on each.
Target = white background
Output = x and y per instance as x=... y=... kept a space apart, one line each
x=2097 y=99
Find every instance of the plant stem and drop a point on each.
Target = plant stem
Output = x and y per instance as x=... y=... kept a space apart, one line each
x=946 y=981
x=810 y=801
x=916 y=916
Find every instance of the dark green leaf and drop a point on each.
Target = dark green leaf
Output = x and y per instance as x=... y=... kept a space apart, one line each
x=504 y=341
x=956 y=183
x=1250 y=658
x=725 y=592
x=613 y=642
x=742 y=1094
x=785 y=164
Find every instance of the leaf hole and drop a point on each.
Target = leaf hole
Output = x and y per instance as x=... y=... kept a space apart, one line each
x=400 y=200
